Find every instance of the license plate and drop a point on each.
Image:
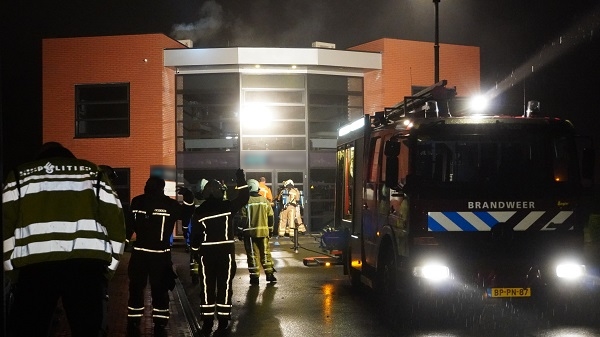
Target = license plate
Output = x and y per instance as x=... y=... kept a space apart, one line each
x=509 y=292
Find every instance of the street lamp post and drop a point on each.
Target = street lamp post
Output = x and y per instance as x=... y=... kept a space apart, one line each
x=436 y=46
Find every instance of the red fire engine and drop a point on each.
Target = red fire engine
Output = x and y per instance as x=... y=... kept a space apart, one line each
x=430 y=199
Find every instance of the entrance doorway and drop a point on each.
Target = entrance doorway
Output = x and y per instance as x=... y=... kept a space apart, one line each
x=275 y=179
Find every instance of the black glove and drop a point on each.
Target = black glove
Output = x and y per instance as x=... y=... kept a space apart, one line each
x=188 y=196
x=240 y=176
x=195 y=279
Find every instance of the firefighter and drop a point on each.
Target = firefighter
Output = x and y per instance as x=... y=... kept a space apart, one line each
x=290 y=213
x=152 y=218
x=264 y=190
x=213 y=247
x=257 y=221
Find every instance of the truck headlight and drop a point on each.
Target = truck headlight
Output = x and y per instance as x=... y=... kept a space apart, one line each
x=433 y=272
x=570 y=270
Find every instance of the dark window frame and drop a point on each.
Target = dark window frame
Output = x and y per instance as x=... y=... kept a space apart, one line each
x=113 y=121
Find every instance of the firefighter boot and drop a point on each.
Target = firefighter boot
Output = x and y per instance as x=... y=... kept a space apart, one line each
x=223 y=324
x=254 y=280
x=133 y=328
x=160 y=329
x=271 y=278
x=301 y=229
x=207 y=326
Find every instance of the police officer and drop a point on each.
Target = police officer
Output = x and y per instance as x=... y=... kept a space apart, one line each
x=63 y=234
x=213 y=246
x=290 y=213
x=152 y=218
x=257 y=228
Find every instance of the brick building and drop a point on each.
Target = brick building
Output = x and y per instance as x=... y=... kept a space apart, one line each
x=147 y=102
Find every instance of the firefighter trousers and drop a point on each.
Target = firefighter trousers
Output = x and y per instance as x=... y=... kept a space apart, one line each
x=217 y=268
x=259 y=254
x=143 y=267
x=288 y=218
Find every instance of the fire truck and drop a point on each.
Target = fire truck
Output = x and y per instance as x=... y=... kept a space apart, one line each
x=432 y=196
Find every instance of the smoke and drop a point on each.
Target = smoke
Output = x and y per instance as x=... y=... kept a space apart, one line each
x=259 y=23
x=208 y=26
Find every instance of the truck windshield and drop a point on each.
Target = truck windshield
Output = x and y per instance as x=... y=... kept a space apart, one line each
x=530 y=156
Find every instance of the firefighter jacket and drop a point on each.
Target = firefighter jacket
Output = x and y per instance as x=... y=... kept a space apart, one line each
x=257 y=217
x=265 y=191
x=152 y=217
x=293 y=197
x=212 y=222
x=61 y=208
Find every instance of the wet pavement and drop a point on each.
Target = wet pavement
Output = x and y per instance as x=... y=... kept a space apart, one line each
x=317 y=301
x=184 y=299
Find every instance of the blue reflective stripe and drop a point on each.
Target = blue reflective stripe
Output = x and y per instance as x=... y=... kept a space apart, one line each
x=487 y=218
x=460 y=221
x=434 y=226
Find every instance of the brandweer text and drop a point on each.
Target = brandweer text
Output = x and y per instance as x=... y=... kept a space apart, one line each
x=500 y=204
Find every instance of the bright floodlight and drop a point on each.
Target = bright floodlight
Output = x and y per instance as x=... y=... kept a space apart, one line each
x=570 y=271
x=478 y=104
x=256 y=114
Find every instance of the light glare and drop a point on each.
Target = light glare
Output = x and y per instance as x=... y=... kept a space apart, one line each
x=478 y=104
x=570 y=271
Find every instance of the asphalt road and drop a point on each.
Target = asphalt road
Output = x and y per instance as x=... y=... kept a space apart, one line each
x=306 y=300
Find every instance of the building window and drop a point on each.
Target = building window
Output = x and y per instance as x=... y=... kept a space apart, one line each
x=102 y=110
x=208 y=112
x=273 y=112
x=332 y=102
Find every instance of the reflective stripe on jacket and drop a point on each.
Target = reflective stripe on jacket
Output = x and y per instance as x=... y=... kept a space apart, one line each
x=54 y=213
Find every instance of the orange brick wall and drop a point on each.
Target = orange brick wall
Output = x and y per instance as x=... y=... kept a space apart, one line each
x=136 y=59
x=407 y=63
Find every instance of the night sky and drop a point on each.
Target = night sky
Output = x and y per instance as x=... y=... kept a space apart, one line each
x=533 y=49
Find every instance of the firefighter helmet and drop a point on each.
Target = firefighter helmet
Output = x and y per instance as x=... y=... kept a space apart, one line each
x=213 y=189
x=288 y=182
x=252 y=185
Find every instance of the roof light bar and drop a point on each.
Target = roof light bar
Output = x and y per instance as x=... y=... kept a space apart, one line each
x=357 y=124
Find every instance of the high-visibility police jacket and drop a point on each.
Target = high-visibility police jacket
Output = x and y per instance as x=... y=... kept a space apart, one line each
x=60 y=208
x=257 y=217
x=212 y=222
x=152 y=217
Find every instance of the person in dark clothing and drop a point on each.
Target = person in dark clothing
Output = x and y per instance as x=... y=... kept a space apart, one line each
x=152 y=218
x=213 y=247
